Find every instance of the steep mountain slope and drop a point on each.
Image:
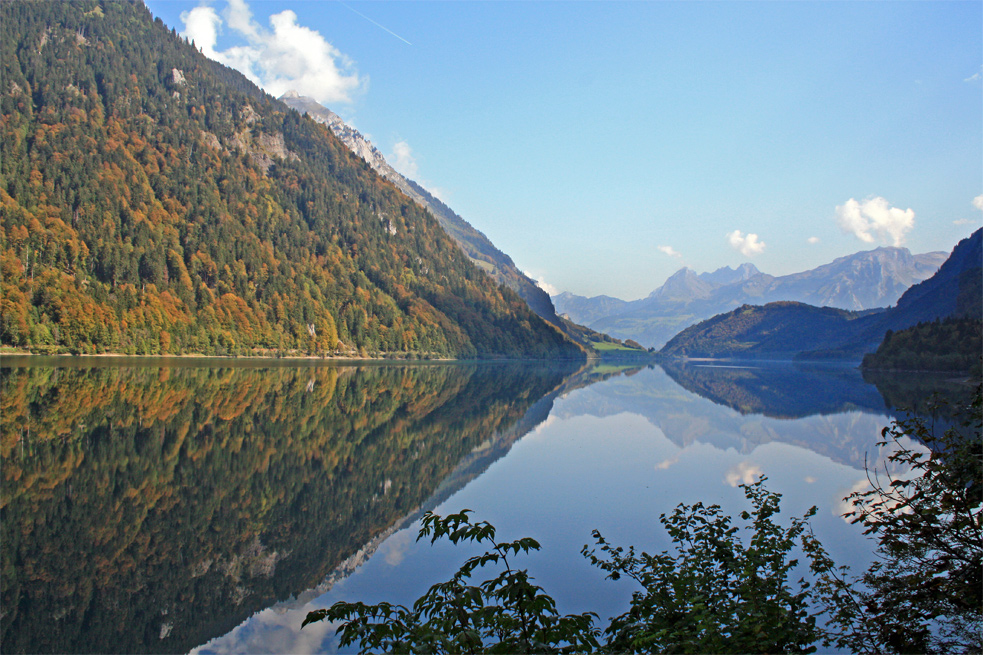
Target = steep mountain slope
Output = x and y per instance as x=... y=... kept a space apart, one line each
x=475 y=244
x=784 y=329
x=860 y=281
x=154 y=201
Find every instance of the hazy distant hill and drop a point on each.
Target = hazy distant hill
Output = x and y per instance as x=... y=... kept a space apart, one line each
x=860 y=281
x=154 y=201
x=784 y=329
x=477 y=246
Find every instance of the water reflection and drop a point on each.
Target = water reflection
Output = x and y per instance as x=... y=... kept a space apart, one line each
x=162 y=508
x=779 y=389
x=612 y=455
x=149 y=509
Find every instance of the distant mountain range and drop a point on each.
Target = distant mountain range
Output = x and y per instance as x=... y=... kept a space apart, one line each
x=474 y=244
x=861 y=281
x=794 y=329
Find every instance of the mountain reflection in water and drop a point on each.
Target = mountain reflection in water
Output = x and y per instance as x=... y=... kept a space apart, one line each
x=150 y=509
x=155 y=508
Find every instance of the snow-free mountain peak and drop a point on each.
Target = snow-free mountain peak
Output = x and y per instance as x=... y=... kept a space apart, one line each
x=860 y=281
x=684 y=284
x=727 y=275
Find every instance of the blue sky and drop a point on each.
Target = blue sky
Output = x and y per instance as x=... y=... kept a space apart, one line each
x=603 y=145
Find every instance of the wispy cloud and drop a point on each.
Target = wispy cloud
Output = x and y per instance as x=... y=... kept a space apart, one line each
x=749 y=245
x=403 y=160
x=542 y=283
x=975 y=77
x=669 y=250
x=813 y=240
x=743 y=473
x=285 y=57
x=666 y=463
x=874 y=219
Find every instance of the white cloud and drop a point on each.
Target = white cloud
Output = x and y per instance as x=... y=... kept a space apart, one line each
x=975 y=77
x=962 y=221
x=875 y=219
x=202 y=25
x=978 y=202
x=403 y=161
x=286 y=57
x=395 y=548
x=842 y=505
x=743 y=473
x=542 y=283
x=749 y=246
x=669 y=250
x=666 y=463
x=813 y=240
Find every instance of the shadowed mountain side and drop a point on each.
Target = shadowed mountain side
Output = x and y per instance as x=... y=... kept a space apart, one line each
x=778 y=330
x=152 y=509
x=779 y=391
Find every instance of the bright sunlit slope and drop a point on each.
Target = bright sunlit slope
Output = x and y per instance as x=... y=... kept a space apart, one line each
x=155 y=201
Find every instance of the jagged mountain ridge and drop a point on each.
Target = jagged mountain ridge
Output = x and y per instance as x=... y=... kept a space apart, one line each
x=472 y=241
x=857 y=282
x=792 y=329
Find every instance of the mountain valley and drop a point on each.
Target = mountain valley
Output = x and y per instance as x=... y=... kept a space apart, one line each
x=862 y=281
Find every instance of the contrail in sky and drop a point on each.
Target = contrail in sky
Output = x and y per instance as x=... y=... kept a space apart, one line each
x=375 y=23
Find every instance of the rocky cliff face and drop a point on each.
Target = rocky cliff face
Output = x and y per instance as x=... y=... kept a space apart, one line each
x=352 y=138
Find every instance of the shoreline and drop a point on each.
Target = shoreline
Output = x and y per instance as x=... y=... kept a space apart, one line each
x=189 y=358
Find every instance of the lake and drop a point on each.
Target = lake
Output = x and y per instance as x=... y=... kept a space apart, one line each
x=206 y=505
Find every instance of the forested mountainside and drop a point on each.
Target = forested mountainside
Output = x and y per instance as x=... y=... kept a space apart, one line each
x=472 y=241
x=776 y=330
x=784 y=329
x=154 y=201
x=955 y=344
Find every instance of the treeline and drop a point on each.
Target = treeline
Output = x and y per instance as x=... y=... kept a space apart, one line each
x=776 y=329
x=155 y=202
x=955 y=344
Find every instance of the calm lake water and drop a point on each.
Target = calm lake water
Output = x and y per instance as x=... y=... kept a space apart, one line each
x=175 y=506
